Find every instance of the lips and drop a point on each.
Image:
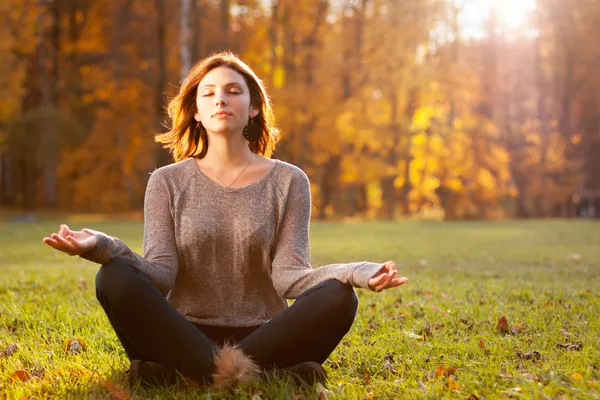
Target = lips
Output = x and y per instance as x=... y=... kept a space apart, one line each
x=221 y=113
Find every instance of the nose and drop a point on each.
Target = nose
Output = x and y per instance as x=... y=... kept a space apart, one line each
x=220 y=98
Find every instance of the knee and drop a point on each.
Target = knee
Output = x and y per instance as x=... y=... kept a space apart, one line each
x=111 y=281
x=343 y=299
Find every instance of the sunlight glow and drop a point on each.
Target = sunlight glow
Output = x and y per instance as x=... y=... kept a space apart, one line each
x=512 y=15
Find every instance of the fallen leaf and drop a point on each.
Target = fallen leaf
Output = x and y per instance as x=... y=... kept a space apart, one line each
x=576 y=377
x=570 y=346
x=530 y=377
x=532 y=355
x=482 y=345
x=517 y=328
x=20 y=375
x=390 y=367
x=257 y=396
x=511 y=392
x=9 y=350
x=413 y=335
x=322 y=391
x=422 y=386
x=547 y=304
x=439 y=371
x=502 y=324
x=75 y=345
x=472 y=397
x=116 y=391
x=366 y=377
x=445 y=371
x=451 y=385
x=368 y=396
x=426 y=331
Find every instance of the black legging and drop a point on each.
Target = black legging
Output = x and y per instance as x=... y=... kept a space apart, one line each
x=150 y=329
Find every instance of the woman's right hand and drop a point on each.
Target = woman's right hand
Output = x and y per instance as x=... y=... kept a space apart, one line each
x=71 y=242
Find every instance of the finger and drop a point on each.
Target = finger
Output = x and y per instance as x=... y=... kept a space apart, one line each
x=377 y=280
x=63 y=241
x=55 y=245
x=386 y=281
x=397 y=282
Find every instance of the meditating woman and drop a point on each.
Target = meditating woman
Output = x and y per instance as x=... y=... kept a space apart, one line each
x=226 y=242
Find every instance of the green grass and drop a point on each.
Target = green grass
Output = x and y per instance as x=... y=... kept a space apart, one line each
x=463 y=277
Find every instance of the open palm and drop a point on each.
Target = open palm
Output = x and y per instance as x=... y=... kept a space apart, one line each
x=71 y=242
x=385 y=278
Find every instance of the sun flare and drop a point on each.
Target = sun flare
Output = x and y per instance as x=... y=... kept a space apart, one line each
x=510 y=14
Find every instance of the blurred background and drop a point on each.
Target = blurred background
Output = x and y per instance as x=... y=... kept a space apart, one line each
x=455 y=109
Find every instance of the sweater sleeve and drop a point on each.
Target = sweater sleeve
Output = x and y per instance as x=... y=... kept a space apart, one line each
x=292 y=273
x=159 y=261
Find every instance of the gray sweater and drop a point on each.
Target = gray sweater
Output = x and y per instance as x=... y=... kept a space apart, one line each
x=228 y=256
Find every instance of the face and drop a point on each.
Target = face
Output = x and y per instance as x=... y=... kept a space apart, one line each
x=223 y=101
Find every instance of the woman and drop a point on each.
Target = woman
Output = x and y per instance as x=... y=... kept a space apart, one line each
x=226 y=240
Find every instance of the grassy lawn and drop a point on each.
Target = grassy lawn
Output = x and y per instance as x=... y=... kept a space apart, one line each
x=435 y=337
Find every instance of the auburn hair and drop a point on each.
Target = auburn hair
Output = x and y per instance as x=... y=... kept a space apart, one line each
x=187 y=137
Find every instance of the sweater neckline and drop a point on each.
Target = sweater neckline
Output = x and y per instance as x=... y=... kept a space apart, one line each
x=214 y=184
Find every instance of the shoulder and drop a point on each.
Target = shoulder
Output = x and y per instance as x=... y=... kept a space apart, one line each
x=172 y=175
x=292 y=179
x=291 y=173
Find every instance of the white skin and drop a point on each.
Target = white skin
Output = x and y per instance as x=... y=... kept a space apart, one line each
x=223 y=108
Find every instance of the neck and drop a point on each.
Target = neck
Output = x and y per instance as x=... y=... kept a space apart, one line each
x=225 y=152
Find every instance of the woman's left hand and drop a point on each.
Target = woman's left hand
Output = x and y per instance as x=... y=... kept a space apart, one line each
x=385 y=278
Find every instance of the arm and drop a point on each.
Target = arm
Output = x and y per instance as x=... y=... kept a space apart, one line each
x=159 y=261
x=291 y=270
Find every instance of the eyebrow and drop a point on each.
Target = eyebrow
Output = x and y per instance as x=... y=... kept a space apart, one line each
x=227 y=84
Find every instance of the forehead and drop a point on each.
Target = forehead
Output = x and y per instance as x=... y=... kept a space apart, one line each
x=222 y=76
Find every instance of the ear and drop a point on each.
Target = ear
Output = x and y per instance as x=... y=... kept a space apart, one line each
x=253 y=112
x=197 y=117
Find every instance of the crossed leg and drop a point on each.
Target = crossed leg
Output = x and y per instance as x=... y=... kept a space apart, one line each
x=150 y=329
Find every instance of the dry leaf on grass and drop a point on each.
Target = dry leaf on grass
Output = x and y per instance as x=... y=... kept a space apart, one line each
x=75 y=345
x=366 y=377
x=116 y=392
x=9 y=350
x=20 y=375
x=502 y=324
x=517 y=328
x=570 y=346
x=322 y=391
x=532 y=355
x=422 y=386
x=426 y=331
x=444 y=371
x=577 y=377
x=451 y=384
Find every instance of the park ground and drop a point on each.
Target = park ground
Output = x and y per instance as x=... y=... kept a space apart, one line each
x=492 y=310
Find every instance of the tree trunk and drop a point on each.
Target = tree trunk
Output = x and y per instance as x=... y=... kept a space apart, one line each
x=162 y=156
x=185 y=35
x=48 y=67
x=225 y=25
